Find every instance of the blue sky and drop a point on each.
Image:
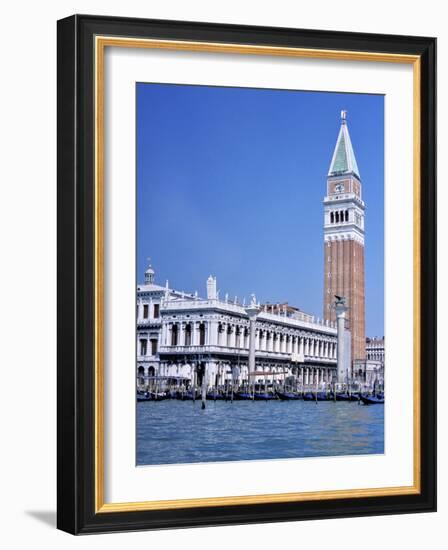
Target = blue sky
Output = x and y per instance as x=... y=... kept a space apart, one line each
x=230 y=182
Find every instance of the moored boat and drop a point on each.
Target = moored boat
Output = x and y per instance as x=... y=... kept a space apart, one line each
x=316 y=396
x=215 y=395
x=308 y=396
x=243 y=396
x=264 y=396
x=372 y=399
x=157 y=396
x=344 y=396
x=354 y=396
x=143 y=396
x=288 y=396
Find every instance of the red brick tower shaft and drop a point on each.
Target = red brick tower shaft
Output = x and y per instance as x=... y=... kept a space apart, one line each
x=344 y=240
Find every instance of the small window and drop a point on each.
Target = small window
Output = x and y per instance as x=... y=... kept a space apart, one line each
x=145 y=311
x=143 y=347
x=174 y=335
x=153 y=346
x=156 y=311
x=188 y=335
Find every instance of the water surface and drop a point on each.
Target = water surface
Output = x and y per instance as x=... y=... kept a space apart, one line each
x=173 y=432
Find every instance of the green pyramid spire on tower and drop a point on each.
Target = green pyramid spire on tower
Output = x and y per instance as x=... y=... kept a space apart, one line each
x=344 y=160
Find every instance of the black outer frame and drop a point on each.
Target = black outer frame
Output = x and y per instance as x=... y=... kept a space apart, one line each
x=75 y=385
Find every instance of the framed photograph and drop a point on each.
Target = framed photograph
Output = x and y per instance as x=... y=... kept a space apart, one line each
x=246 y=274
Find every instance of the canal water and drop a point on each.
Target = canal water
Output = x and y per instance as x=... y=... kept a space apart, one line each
x=174 y=432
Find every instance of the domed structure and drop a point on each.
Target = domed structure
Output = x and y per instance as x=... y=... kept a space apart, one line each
x=149 y=274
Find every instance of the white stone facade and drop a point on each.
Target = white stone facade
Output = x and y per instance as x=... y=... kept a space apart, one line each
x=375 y=349
x=368 y=371
x=371 y=370
x=185 y=338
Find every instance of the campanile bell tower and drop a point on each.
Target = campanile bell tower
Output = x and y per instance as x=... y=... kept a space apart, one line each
x=344 y=240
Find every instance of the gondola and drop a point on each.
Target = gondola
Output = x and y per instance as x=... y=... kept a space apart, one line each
x=215 y=396
x=143 y=396
x=308 y=396
x=354 y=396
x=264 y=396
x=288 y=396
x=243 y=396
x=316 y=396
x=344 y=396
x=157 y=396
x=372 y=399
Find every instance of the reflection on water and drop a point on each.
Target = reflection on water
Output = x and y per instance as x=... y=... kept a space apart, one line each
x=173 y=432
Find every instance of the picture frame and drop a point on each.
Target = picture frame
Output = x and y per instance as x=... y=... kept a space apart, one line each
x=82 y=41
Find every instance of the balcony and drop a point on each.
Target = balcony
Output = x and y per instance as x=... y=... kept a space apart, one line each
x=148 y=323
x=143 y=358
x=208 y=350
x=184 y=306
x=239 y=352
x=193 y=305
x=303 y=324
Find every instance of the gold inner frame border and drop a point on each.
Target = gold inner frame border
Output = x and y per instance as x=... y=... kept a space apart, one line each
x=100 y=44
